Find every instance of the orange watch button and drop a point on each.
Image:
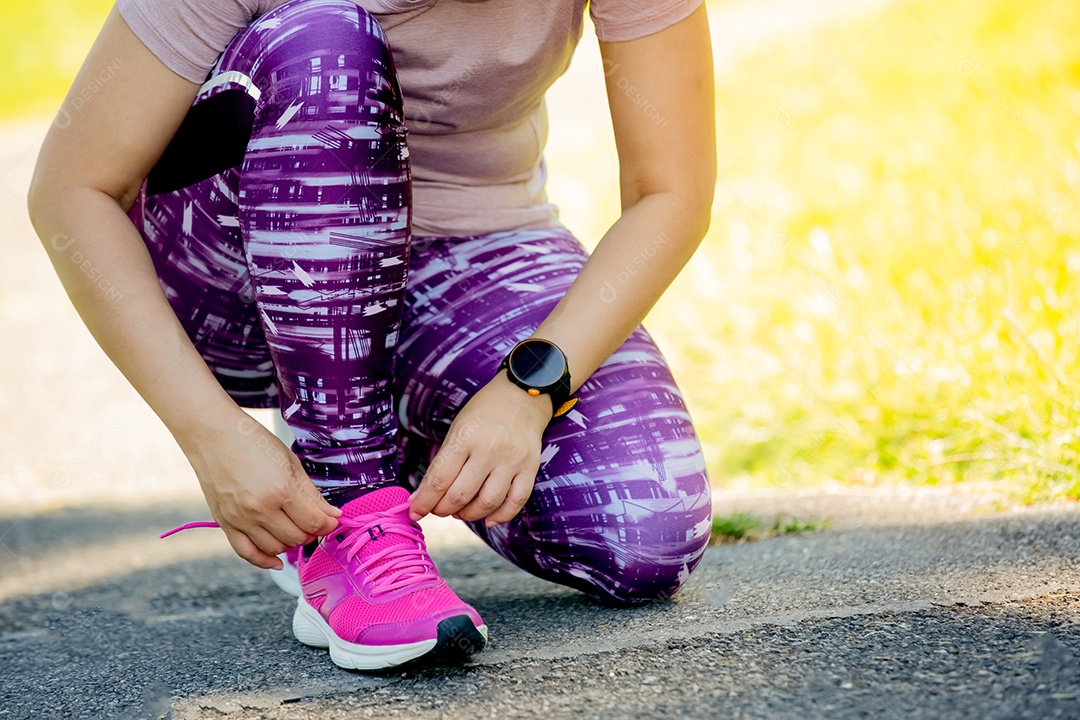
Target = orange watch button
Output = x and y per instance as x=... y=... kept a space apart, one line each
x=534 y=391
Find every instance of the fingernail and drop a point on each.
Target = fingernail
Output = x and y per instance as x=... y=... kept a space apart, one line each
x=489 y=522
x=413 y=515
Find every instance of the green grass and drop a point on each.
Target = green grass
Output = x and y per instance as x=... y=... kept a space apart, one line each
x=744 y=527
x=888 y=291
x=44 y=45
x=735 y=527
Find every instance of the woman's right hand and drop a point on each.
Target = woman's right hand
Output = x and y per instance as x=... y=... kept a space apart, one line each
x=122 y=110
x=118 y=118
x=258 y=492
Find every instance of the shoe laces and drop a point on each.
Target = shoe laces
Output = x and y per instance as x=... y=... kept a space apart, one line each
x=397 y=565
x=188 y=526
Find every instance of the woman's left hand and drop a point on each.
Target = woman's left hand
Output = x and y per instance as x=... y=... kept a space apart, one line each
x=487 y=464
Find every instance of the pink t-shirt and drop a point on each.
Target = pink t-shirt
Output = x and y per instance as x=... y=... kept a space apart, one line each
x=473 y=74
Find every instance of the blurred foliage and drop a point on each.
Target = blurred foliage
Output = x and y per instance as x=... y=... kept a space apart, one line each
x=740 y=527
x=888 y=291
x=734 y=527
x=45 y=45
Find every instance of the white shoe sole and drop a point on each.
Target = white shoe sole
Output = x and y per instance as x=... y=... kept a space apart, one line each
x=288 y=578
x=310 y=628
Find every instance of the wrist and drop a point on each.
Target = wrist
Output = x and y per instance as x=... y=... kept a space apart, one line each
x=540 y=404
x=195 y=428
x=540 y=367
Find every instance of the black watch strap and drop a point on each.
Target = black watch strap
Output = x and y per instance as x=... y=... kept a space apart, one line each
x=561 y=399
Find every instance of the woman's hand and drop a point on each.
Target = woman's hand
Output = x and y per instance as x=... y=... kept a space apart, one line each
x=258 y=492
x=487 y=464
x=89 y=172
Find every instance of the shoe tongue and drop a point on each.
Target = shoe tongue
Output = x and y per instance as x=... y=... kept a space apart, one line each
x=374 y=501
x=376 y=541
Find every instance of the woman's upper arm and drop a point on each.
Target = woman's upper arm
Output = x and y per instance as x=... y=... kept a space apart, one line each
x=661 y=94
x=122 y=110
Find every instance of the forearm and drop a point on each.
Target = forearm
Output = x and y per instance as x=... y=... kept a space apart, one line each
x=109 y=276
x=667 y=176
x=631 y=267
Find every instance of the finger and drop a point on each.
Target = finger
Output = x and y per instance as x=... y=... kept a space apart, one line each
x=308 y=490
x=246 y=549
x=440 y=475
x=490 y=496
x=286 y=530
x=324 y=505
x=306 y=510
x=519 y=493
x=464 y=488
x=265 y=541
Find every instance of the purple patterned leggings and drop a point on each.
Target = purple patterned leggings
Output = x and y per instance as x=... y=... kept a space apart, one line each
x=289 y=259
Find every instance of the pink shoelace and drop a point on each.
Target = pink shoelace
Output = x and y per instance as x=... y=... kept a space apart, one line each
x=411 y=563
x=405 y=563
x=188 y=526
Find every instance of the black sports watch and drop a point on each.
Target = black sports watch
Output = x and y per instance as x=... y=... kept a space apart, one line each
x=539 y=366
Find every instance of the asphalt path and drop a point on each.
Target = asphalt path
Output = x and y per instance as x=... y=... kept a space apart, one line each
x=974 y=617
x=914 y=604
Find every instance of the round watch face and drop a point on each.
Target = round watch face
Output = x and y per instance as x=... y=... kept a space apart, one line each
x=538 y=364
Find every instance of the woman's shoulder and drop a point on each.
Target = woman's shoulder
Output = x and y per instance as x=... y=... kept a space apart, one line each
x=618 y=20
x=188 y=35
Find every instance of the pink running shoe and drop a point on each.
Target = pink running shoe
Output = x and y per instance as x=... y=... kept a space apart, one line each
x=288 y=577
x=372 y=595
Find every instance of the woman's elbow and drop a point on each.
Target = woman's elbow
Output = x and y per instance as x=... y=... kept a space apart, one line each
x=40 y=196
x=47 y=185
x=697 y=203
x=54 y=186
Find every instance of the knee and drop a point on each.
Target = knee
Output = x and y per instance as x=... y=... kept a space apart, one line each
x=319 y=60
x=336 y=40
x=319 y=23
x=648 y=573
x=643 y=584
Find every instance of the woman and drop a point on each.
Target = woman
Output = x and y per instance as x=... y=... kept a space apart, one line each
x=338 y=210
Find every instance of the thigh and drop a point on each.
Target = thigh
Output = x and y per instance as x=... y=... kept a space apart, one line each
x=261 y=218
x=193 y=237
x=468 y=301
x=621 y=507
